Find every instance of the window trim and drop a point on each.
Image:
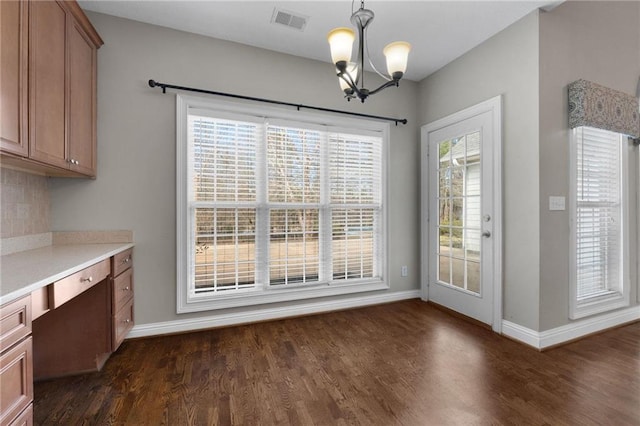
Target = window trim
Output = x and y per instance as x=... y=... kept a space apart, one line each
x=184 y=302
x=613 y=299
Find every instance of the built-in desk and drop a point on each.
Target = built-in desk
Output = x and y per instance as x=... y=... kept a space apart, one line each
x=63 y=310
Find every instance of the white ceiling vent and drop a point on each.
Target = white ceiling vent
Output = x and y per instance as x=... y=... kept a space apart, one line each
x=289 y=19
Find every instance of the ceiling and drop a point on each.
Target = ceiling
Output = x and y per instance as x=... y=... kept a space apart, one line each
x=439 y=31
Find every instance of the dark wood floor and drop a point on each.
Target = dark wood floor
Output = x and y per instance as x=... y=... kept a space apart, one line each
x=398 y=364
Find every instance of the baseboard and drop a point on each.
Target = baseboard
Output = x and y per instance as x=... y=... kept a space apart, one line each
x=265 y=314
x=522 y=334
x=575 y=330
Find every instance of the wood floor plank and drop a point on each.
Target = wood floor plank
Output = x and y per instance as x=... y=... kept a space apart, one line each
x=405 y=363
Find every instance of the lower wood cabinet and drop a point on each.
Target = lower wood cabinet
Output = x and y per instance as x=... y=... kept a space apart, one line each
x=16 y=363
x=89 y=315
x=122 y=296
x=122 y=323
x=24 y=419
x=68 y=327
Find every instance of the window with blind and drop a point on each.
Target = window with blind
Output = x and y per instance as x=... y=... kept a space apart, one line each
x=271 y=209
x=599 y=228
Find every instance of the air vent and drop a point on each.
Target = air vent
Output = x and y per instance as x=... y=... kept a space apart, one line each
x=289 y=19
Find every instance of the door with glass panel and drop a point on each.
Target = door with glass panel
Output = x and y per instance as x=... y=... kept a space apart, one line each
x=459 y=185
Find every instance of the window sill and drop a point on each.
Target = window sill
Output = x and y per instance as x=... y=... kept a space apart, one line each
x=598 y=304
x=204 y=302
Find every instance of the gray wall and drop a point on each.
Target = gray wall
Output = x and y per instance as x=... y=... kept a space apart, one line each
x=506 y=64
x=600 y=42
x=135 y=188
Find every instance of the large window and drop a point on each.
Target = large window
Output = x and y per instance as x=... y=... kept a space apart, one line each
x=271 y=209
x=599 y=231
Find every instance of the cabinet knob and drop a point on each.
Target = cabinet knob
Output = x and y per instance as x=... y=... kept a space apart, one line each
x=127 y=260
x=127 y=320
x=90 y=279
x=126 y=288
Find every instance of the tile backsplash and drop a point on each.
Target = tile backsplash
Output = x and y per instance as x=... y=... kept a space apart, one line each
x=24 y=204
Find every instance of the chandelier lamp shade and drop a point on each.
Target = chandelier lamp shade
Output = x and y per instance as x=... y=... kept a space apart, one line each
x=351 y=74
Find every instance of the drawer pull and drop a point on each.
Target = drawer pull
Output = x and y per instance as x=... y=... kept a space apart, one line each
x=126 y=288
x=90 y=279
x=127 y=320
x=126 y=260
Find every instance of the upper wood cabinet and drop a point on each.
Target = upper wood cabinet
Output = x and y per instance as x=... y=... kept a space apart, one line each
x=60 y=74
x=14 y=38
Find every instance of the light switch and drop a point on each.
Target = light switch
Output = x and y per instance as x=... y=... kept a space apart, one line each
x=556 y=203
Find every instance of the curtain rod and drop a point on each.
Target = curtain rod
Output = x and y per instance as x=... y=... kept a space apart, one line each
x=165 y=86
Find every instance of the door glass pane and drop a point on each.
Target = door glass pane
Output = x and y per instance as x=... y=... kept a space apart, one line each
x=444 y=275
x=444 y=212
x=445 y=153
x=445 y=239
x=472 y=244
x=444 y=180
x=457 y=181
x=473 y=276
x=459 y=215
x=457 y=272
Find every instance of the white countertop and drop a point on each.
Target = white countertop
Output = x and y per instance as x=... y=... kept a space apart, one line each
x=26 y=271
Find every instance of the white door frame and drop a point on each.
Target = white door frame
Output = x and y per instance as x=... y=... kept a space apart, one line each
x=494 y=106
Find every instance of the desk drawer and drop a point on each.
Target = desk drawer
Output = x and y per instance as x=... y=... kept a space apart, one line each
x=122 y=261
x=122 y=323
x=15 y=321
x=16 y=381
x=122 y=289
x=67 y=288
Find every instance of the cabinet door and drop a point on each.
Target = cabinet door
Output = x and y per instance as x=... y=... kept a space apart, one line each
x=16 y=380
x=13 y=77
x=47 y=60
x=82 y=103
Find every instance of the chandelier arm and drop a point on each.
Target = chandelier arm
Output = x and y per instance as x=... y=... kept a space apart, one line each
x=361 y=38
x=348 y=80
x=385 y=85
x=386 y=77
x=352 y=85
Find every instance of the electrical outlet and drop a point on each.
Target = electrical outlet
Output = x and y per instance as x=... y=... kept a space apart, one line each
x=556 y=203
x=404 y=271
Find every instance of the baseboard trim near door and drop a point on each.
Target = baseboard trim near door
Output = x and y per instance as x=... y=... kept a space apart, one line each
x=575 y=330
x=266 y=314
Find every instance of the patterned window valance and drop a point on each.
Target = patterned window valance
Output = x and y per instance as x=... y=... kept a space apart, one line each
x=597 y=106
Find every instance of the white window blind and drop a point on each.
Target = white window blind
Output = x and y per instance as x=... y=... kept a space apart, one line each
x=223 y=203
x=274 y=204
x=599 y=229
x=598 y=212
x=294 y=200
x=356 y=204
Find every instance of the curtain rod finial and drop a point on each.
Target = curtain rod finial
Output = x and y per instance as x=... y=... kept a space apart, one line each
x=152 y=83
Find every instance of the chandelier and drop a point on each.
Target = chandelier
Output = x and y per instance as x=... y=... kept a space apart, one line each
x=351 y=74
